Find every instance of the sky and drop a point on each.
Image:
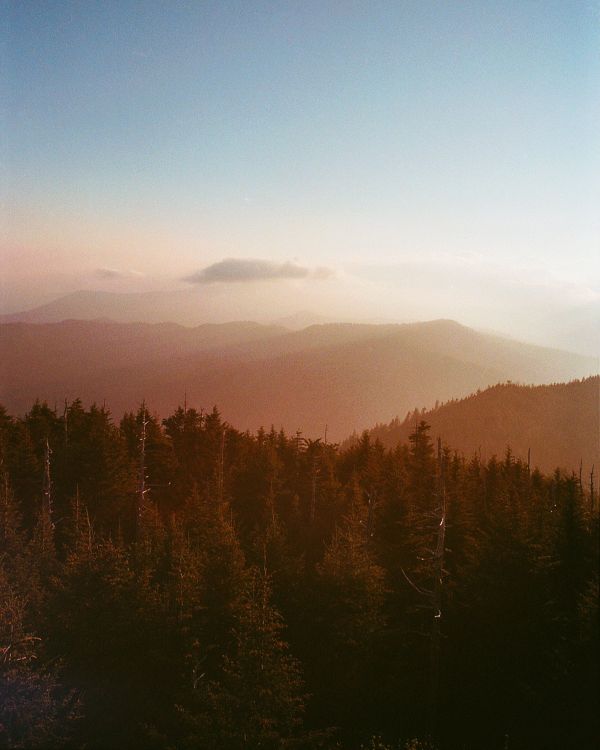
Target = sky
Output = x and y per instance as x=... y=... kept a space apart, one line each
x=392 y=160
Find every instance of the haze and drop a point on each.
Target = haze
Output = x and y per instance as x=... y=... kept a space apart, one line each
x=362 y=161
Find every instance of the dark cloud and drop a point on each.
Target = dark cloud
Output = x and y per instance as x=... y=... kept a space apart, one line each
x=253 y=269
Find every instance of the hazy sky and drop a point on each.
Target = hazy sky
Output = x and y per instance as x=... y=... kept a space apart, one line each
x=405 y=156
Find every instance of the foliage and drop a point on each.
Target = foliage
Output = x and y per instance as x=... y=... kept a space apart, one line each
x=267 y=591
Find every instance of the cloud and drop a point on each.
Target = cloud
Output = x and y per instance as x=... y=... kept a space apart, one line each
x=254 y=269
x=114 y=273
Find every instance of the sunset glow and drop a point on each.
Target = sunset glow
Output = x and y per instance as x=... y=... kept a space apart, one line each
x=444 y=153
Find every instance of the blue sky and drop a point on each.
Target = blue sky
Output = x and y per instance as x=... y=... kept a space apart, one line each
x=367 y=137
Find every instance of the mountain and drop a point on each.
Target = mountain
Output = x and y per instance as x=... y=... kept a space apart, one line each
x=345 y=376
x=558 y=424
x=188 y=307
x=301 y=319
x=75 y=344
x=575 y=328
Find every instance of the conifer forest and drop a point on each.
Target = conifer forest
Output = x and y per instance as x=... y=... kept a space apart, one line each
x=179 y=584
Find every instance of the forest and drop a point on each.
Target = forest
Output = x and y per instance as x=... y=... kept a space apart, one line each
x=554 y=425
x=179 y=583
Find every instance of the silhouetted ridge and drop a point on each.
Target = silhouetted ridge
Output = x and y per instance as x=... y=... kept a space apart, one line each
x=558 y=423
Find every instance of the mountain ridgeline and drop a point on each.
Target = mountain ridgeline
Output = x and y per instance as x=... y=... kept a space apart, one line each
x=552 y=425
x=343 y=377
x=575 y=329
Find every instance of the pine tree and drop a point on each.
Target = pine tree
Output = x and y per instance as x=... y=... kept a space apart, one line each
x=256 y=699
x=35 y=710
x=346 y=619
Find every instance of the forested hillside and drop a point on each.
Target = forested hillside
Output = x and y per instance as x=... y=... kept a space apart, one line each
x=182 y=584
x=348 y=377
x=554 y=425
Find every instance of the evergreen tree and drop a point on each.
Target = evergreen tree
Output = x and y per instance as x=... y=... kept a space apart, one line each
x=256 y=700
x=347 y=620
x=36 y=711
x=143 y=570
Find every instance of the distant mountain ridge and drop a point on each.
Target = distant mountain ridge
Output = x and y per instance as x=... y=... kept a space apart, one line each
x=345 y=376
x=186 y=306
x=576 y=329
x=557 y=424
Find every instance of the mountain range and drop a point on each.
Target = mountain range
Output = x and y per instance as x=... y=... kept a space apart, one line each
x=343 y=376
x=187 y=307
x=575 y=328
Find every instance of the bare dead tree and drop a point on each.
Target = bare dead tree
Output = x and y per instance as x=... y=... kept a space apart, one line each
x=314 y=447
x=47 y=483
x=142 y=486
x=221 y=470
x=313 y=488
x=298 y=441
x=89 y=531
x=438 y=562
x=372 y=504
x=66 y=419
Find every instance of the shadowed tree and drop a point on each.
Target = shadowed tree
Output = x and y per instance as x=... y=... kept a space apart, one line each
x=256 y=698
